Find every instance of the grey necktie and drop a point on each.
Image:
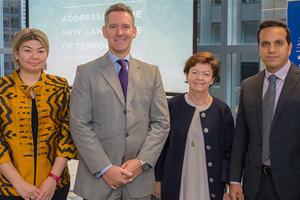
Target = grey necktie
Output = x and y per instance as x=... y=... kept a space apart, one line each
x=267 y=109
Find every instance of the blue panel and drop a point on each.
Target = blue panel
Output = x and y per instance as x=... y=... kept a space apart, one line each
x=293 y=10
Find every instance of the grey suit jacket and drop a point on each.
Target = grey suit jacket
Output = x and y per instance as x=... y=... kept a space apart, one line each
x=284 y=140
x=106 y=130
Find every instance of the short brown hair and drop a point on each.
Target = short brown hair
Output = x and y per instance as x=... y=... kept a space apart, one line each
x=118 y=7
x=203 y=57
x=25 y=35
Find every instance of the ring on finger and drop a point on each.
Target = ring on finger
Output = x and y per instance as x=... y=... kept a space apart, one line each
x=130 y=179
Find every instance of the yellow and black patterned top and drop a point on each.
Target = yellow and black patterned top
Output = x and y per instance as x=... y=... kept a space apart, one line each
x=53 y=137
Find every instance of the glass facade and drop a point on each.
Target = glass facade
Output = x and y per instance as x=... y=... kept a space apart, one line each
x=226 y=28
x=13 y=15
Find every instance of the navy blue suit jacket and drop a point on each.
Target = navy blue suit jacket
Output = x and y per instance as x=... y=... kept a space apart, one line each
x=219 y=122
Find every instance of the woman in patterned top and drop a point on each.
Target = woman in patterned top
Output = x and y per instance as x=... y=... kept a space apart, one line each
x=35 y=140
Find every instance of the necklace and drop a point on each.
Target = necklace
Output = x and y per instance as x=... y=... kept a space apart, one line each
x=199 y=109
x=201 y=102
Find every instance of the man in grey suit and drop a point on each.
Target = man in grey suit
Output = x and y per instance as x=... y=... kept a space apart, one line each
x=119 y=117
x=266 y=145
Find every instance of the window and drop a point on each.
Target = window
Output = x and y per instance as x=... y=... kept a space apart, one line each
x=231 y=33
x=5 y=21
x=8 y=65
x=249 y=69
x=6 y=36
x=242 y=66
x=5 y=7
x=209 y=23
x=14 y=8
x=249 y=31
x=216 y=33
x=14 y=22
x=12 y=37
x=216 y=1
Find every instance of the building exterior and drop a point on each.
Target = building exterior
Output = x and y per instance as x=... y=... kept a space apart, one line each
x=13 y=16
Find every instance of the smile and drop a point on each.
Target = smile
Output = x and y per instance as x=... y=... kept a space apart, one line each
x=200 y=83
x=34 y=64
x=272 y=57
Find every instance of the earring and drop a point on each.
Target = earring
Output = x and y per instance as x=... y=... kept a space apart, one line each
x=17 y=65
x=45 y=66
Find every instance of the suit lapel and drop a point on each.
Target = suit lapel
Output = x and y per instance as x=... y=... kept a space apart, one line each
x=258 y=89
x=290 y=81
x=110 y=75
x=134 y=77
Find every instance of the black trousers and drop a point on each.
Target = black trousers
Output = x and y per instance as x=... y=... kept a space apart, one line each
x=266 y=190
x=60 y=194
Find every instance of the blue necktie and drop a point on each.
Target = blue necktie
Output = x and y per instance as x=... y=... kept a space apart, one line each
x=267 y=108
x=123 y=76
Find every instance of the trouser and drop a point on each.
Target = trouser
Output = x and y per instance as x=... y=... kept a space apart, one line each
x=122 y=194
x=266 y=189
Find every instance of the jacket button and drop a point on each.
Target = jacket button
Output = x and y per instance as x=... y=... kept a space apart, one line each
x=211 y=180
x=124 y=112
x=259 y=143
x=126 y=134
x=209 y=164
x=208 y=147
x=203 y=115
x=213 y=195
x=205 y=130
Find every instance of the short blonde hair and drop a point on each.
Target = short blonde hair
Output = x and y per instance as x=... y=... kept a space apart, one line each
x=25 y=35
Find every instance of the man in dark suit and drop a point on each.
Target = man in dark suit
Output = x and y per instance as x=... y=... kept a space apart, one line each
x=119 y=117
x=266 y=147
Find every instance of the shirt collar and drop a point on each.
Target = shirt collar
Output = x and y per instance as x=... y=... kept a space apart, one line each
x=281 y=74
x=114 y=58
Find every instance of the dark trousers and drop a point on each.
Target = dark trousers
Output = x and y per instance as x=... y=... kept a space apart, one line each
x=60 y=194
x=266 y=190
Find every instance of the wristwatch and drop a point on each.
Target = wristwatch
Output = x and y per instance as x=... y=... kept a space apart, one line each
x=226 y=189
x=145 y=165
